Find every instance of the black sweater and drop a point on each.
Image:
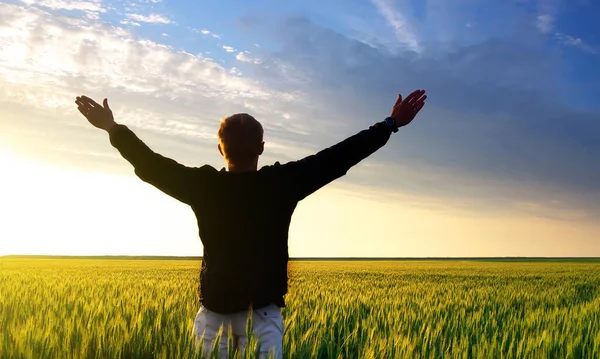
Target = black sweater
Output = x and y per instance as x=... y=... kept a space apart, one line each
x=243 y=218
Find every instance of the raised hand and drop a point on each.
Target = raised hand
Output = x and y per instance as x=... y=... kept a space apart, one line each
x=405 y=111
x=99 y=116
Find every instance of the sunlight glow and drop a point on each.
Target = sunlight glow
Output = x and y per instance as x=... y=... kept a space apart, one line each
x=60 y=211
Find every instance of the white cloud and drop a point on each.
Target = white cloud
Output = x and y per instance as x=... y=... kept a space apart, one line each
x=235 y=71
x=208 y=33
x=243 y=57
x=82 y=5
x=131 y=23
x=106 y=56
x=228 y=48
x=403 y=31
x=568 y=40
x=152 y=18
x=146 y=83
x=545 y=23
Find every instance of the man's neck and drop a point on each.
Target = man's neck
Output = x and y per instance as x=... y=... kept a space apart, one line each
x=239 y=169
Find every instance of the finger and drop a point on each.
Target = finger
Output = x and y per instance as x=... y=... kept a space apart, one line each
x=419 y=95
x=416 y=96
x=84 y=103
x=80 y=102
x=420 y=99
x=398 y=102
x=105 y=103
x=90 y=101
x=85 y=106
x=83 y=112
x=413 y=96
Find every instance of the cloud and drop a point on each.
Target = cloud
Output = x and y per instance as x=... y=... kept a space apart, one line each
x=568 y=40
x=403 y=31
x=207 y=32
x=91 y=8
x=545 y=23
x=131 y=23
x=547 y=13
x=494 y=124
x=228 y=48
x=152 y=18
x=243 y=57
x=235 y=71
x=81 y=5
x=495 y=134
x=173 y=98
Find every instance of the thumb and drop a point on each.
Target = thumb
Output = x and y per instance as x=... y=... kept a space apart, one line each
x=105 y=103
x=398 y=101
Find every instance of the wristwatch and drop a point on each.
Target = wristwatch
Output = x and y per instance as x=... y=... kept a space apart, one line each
x=391 y=123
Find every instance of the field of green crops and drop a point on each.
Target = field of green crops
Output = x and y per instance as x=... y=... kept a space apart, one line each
x=99 y=308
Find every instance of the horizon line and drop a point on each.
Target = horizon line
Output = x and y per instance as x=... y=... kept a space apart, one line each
x=118 y=256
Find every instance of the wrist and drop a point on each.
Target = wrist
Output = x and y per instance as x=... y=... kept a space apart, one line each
x=109 y=126
x=391 y=123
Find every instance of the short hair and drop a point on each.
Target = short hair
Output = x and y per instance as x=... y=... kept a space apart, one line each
x=240 y=136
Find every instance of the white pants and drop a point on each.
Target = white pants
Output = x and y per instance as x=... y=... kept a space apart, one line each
x=267 y=325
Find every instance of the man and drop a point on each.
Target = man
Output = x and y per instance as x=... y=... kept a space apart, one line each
x=244 y=213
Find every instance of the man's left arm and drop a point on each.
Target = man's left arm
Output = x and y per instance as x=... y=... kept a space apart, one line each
x=315 y=171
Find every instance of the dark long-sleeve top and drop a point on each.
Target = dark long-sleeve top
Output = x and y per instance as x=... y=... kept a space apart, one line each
x=243 y=218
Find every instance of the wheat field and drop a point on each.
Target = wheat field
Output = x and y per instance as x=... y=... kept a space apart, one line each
x=120 y=308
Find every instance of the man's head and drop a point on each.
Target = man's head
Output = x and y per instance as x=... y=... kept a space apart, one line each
x=241 y=141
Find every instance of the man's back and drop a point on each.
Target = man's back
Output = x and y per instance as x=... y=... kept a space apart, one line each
x=243 y=221
x=243 y=218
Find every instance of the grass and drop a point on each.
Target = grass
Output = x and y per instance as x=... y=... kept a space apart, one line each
x=107 y=308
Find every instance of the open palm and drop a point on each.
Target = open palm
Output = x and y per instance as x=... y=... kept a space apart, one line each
x=404 y=111
x=99 y=116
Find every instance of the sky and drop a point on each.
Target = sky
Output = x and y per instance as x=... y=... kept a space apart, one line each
x=502 y=161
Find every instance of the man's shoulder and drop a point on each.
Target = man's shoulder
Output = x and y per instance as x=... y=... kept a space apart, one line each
x=206 y=168
x=203 y=170
x=277 y=166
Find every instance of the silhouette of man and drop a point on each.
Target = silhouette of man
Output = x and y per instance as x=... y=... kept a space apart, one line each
x=244 y=213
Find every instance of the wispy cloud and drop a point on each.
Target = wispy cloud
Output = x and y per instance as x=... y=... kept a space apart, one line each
x=130 y=23
x=91 y=8
x=568 y=40
x=141 y=78
x=545 y=23
x=207 y=33
x=483 y=142
x=82 y=5
x=243 y=57
x=152 y=18
x=228 y=48
x=404 y=33
x=490 y=105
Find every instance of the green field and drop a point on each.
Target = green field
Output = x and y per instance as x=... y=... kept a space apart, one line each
x=117 y=308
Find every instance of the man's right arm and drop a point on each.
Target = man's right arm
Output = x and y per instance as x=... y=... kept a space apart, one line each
x=164 y=173
x=167 y=175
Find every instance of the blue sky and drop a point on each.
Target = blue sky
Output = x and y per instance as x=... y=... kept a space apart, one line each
x=511 y=128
